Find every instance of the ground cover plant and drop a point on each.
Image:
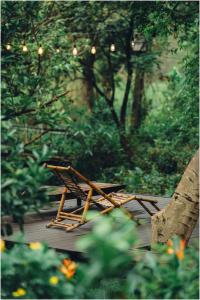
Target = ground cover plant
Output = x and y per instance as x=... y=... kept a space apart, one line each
x=114 y=270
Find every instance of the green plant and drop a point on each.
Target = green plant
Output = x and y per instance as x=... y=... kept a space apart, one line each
x=22 y=177
x=151 y=182
x=33 y=272
x=114 y=269
x=42 y=106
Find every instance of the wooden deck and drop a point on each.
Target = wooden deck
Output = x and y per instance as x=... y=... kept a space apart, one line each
x=35 y=227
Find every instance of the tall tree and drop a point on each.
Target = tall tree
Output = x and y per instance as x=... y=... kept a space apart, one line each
x=137 y=100
x=181 y=214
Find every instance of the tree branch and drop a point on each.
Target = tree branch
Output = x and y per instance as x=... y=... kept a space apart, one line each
x=36 y=138
x=32 y=110
x=108 y=101
x=129 y=77
x=108 y=56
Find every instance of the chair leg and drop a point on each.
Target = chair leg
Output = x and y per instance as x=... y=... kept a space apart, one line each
x=155 y=206
x=146 y=208
x=105 y=211
x=70 y=228
x=61 y=205
x=78 y=202
x=87 y=205
x=50 y=223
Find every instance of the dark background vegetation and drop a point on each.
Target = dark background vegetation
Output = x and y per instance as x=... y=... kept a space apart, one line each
x=128 y=116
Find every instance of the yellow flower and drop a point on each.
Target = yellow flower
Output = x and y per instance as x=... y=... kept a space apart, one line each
x=19 y=292
x=170 y=251
x=35 y=246
x=53 y=280
x=3 y=246
x=68 y=268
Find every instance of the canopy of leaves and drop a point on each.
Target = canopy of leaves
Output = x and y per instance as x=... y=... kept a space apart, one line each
x=40 y=103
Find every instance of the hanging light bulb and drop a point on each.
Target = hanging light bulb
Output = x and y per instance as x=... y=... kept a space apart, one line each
x=24 y=48
x=112 y=47
x=8 y=47
x=57 y=50
x=75 y=51
x=132 y=44
x=40 y=50
x=93 y=50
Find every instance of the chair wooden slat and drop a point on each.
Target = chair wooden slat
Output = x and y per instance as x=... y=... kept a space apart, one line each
x=107 y=202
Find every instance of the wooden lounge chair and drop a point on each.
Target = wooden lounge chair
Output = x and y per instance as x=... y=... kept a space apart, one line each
x=106 y=203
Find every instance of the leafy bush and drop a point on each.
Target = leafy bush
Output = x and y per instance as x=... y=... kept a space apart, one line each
x=89 y=142
x=113 y=270
x=154 y=182
x=116 y=271
x=22 y=176
x=34 y=273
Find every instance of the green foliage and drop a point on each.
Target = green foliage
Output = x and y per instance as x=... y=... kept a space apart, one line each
x=114 y=269
x=153 y=182
x=32 y=270
x=36 y=98
x=168 y=136
x=33 y=93
x=22 y=176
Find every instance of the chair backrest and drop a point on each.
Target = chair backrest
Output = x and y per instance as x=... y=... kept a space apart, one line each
x=68 y=174
x=61 y=170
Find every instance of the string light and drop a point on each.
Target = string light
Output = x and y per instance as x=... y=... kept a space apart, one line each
x=75 y=51
x=24 y=48
x=8 y=47
x=40 y=50
x=112 y=47
x=93 y=50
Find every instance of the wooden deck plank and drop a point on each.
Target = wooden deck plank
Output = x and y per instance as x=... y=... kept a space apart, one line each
x=35 y=227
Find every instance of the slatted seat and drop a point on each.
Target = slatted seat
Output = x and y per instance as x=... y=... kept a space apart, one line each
x=118 y=198
x=106 y=203
x=68 y=179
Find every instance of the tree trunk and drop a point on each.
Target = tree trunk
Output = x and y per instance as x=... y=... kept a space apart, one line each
x=137 y=99
x=88 y=94
x=181 y=214
x=125 y=100
x=87 y=64
x=126 y=146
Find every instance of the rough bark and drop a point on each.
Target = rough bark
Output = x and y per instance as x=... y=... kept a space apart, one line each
x=137 y=99
x=181 y=214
